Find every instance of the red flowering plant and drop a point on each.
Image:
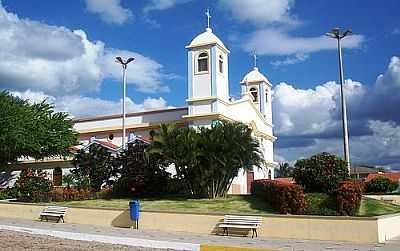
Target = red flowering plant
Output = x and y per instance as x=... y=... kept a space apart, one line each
x=34 y=185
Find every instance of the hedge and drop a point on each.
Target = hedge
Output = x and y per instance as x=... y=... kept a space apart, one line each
x=283 y=197
x=381 y=184
x=348 y=197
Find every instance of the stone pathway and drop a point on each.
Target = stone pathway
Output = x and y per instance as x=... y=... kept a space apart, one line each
x=181 y=240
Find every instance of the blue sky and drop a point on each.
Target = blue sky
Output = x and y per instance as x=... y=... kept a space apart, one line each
x=74 y=69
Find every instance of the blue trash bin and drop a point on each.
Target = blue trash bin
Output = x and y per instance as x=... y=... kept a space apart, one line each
x=134 y=209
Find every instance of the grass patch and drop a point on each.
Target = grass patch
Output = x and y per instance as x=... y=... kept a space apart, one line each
x=318 y=204
x=323 y=204
x=372 y=207
x=235 y=204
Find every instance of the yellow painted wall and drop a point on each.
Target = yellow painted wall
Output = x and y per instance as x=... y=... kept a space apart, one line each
x=363 y=230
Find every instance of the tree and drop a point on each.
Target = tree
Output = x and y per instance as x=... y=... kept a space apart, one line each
x=321 y=173
x=285 y=170
x=140 y=174
x=208 y=159
x=95 y=163
x=32 y=130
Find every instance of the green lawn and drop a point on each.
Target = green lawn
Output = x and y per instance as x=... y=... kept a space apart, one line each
x=231 y=204
x=236 y=204
x=371 y=207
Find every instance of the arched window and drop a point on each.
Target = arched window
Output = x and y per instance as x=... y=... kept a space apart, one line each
x=254 y=93
x=221 y=64
x=266 y=97
x=202 y=62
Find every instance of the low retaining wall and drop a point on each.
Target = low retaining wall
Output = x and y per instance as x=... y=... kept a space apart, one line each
x=395 y=199
x=354 y=229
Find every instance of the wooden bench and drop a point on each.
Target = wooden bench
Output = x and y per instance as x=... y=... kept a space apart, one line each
x=53 y=212
x=243 y=222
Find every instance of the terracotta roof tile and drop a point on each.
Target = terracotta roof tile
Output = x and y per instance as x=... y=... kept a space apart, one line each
x=107 y=144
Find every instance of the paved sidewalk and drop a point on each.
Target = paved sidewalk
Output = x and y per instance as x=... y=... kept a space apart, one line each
x=181 y=239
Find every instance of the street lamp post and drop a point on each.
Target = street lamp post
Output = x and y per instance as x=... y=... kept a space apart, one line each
x=338 y=35
x=124 y=66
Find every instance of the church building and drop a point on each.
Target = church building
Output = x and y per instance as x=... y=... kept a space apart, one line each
x=208 y=100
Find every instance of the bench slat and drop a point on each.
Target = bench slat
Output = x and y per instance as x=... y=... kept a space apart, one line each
x=55 y=215
x=238 y=226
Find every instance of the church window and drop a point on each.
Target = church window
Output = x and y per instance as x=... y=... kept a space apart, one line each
x=221 y=64
x=254 y=93
x=266 y=97
x=202 y=62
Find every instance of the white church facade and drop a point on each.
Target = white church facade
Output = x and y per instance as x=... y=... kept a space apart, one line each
x=208 y=101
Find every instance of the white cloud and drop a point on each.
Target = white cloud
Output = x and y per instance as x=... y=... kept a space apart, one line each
x=309 y=121
x=57 y=60
x=310 y=112
x=391 y=78
x=33 y=97
x=297 y=58
x=81 y=106
x=110 y=11
x=155 y=5
x=145 y=73
x=159 y=5
x=259 y=12
x=278 y=42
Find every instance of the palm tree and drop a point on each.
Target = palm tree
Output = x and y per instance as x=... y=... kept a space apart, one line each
x=208 y=159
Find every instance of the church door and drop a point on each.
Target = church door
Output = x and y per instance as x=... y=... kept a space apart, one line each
x=250 y=179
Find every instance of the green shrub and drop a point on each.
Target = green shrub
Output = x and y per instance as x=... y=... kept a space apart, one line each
x=284 y=197
x=105 y=193
x=320 y=173
x=381 y=184
x=320 y=204
x=348 y=197
x=9 y=193
x=33 y=185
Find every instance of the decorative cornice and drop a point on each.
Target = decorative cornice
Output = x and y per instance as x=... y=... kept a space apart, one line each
x=209 y=98
x=243 y=100
x=131 y=114
x=210 y=116
x=209 y=45
x=132 y=126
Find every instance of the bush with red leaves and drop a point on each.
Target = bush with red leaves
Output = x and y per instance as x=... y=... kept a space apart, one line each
x=284 y=197
x=348 y=197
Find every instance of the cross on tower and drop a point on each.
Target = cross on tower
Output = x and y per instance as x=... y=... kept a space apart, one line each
x=208 y=18
x=255 y=59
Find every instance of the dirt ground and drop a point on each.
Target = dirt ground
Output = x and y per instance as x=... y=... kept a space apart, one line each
x=22 y=241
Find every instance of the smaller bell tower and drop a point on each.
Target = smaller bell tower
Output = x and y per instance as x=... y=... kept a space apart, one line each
x=259 y=89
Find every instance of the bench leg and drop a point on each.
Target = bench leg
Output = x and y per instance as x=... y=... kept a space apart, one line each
x=225 y=231
x=254 y=231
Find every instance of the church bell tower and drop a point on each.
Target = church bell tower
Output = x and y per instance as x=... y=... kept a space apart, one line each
x=208 y=81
